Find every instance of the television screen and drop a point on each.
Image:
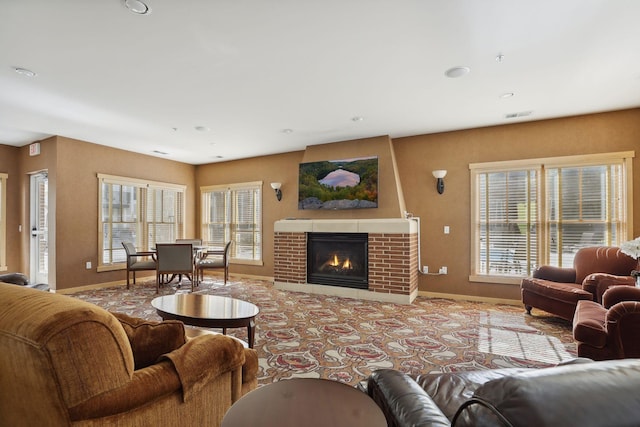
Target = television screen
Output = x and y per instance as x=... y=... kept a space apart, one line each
x=339 y=184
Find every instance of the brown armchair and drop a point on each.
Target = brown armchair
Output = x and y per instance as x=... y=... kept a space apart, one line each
x=610 y=330
x=67 y=362
x=557 y=290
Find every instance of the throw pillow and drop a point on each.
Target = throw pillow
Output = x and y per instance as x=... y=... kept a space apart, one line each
x=149 y=340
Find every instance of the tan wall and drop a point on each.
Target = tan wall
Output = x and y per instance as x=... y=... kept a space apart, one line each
x=73 y=202
x=77 y=164
x=9 y=164
x=417 y=156
x=277 y=168
x=284 y=168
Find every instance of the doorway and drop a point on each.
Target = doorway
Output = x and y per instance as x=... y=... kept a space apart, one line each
x=39 y=212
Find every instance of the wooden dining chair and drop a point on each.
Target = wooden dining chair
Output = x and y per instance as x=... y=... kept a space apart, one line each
x=211 y=260
x=138 y=261
x=174 y=258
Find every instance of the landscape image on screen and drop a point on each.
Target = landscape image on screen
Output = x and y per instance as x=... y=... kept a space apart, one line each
x=339 y=184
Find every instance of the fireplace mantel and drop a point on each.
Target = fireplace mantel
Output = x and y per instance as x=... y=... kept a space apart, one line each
x=380 y=225
x=393 y=260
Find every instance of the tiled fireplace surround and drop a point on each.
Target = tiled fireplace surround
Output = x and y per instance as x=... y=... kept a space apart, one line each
x=393 y=257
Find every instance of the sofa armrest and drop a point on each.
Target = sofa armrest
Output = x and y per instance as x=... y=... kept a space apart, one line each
x=555 y=274
x=617 y=294
x=403 y=401
x=249 y=370
x=219 y=353
x=146 y=386
x=598 y=283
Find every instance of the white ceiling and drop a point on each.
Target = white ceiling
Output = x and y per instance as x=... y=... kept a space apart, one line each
x=249 y=69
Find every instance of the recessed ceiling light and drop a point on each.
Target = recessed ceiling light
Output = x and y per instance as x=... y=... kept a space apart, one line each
x=287 y=130
x=24 y=72
x=507 y=95
x=138 y=7
x=202 y=129
x=500 y=58
x=357 y=119
x=456 y=72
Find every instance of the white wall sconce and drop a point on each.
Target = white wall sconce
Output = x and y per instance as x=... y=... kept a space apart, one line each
x=276 y=186
x=439 y=175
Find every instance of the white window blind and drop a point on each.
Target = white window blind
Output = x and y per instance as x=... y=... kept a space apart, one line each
x=528 y=213
x=233 y=213
x=137 y=211
x=506 y=227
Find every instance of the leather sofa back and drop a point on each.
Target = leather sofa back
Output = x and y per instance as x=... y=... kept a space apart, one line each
x=598 y=394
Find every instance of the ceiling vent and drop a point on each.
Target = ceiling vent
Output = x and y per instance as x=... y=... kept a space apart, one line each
x=520 y=114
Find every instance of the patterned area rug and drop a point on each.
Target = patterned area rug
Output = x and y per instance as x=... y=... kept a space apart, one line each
x=344 y=339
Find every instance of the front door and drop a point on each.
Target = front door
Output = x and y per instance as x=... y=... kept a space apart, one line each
x=39 y=251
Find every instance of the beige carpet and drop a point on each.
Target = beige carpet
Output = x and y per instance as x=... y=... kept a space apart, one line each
x=305 y=335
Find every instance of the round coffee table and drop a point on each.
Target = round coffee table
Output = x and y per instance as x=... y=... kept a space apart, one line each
x=209 y=311
x=306 y=402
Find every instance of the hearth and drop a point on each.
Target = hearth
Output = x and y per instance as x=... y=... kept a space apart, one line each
x=338 y=259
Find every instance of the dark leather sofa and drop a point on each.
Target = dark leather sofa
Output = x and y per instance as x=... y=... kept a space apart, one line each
x=581 y=393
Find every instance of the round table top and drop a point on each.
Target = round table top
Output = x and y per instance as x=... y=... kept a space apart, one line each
x=209 y=307
x=305 y=402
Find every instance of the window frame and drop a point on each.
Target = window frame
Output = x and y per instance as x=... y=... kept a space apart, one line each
x=231 y=215
x=624 y=158
x=142 y=224
x=3 y=221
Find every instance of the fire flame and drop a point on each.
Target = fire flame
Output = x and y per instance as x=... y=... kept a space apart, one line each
x=335 y=262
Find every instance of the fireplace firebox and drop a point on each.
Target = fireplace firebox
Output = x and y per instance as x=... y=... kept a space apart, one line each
x=338 y=259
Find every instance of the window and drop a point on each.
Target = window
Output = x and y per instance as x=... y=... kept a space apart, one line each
x=137 y=211
x=3 y=221
x=532 y=212
x=234 y=212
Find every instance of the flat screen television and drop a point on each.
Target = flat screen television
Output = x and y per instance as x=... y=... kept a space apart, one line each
x=339 y=184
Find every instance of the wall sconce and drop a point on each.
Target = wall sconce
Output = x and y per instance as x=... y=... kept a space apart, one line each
x=276 y=186
x=439 y=175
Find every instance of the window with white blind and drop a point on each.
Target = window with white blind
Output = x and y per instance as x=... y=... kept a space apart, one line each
x=3 y=221
x=137 y=211
x=233 y=212
x=528 y=213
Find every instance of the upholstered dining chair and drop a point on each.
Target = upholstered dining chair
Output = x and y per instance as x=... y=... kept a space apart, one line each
x=138 y=261
x=211 y=260
x=174 y=258
x=194 y=242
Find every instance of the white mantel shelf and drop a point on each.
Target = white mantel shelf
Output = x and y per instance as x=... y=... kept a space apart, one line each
x=381 y=225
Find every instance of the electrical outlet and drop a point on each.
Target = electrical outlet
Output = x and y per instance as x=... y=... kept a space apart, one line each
x=425 y=269
x=443 y=270
x=88 y=265
x=446 y=229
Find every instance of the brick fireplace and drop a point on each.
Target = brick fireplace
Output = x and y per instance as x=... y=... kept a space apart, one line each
x=392 y=257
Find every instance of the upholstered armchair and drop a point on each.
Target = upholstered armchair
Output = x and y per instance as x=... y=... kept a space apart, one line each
x=610 y=330
x=211 y=260
x=557 y=290
x=138 y=261
x=67 y=362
